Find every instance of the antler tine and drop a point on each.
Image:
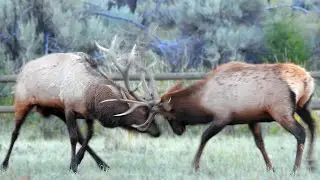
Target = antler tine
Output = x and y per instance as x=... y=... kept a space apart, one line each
x=148 y=122
x=153 y=83
x=147 y=93
x=126 y=71
x=135 y=106
x=131 y=58
x=123 y=70
x=153 y=86
x=111 y=52
x=113 y=42
x=125 y=100
x=154 y=91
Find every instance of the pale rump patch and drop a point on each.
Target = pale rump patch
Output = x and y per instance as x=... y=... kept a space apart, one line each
x=299 y=81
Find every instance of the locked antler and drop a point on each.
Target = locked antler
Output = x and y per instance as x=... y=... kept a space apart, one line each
x=125 y=73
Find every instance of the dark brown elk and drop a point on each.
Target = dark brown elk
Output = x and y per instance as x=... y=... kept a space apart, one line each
x=68 y=86
x=241 y=93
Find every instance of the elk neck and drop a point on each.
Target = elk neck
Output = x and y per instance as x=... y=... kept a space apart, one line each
x=104 y=112
x=186 y=105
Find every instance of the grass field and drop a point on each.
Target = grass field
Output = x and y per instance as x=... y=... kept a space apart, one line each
x=142 y=157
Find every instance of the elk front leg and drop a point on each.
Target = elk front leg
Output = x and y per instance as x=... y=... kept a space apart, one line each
x=255 y=129
x=215 y=127
x=101 y=164
x=73 y=134
x=80 y=154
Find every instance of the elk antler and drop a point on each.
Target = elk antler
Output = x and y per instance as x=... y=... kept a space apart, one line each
x=125 y=73
x=136 y=105
x=123 y=70
x=154 y=93
x=147 y=123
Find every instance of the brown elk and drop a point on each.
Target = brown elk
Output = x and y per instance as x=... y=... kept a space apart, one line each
x=70 y=86
x=241 y=93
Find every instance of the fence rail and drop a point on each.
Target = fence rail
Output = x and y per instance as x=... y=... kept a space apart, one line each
x=315 y=104
x=158 y=77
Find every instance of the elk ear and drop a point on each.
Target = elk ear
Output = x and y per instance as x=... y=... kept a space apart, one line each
x=166 y=105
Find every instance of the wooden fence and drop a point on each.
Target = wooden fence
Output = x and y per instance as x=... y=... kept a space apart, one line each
x=315 y=104
x=158 y=77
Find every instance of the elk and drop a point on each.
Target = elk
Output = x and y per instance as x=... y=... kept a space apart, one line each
x=71 y=86
x=242 y=93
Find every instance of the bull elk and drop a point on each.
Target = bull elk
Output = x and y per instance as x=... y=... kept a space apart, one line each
x=70 y=86
x=241 y=93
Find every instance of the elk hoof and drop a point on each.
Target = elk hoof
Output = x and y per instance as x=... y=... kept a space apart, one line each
x=196 y=166
x=295 y=171
x=312 y=166
x=103 y=166
x=270 y=168
x=3 y=166
x=74 y=167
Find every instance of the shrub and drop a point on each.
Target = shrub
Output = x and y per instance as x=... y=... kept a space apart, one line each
x=213 y=31
x=286 y=44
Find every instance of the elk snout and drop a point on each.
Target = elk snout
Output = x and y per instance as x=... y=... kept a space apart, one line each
x=177 y=127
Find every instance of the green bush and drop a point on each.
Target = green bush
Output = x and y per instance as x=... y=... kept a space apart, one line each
x=286 y=43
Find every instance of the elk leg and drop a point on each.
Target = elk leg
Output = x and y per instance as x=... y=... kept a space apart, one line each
x=20 y=116
x=292 y=126
x=255 y=129
x=215 y=127
x=101 y=164
x=80 y=154
x=305 y=115
x=73 y=134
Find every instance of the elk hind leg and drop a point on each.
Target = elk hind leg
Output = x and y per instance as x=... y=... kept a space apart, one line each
x=255 y=129
x=305 y=115
x=288 y=122
x=21 y=112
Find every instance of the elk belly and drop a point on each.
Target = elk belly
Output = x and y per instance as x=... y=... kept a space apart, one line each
x=249 y=116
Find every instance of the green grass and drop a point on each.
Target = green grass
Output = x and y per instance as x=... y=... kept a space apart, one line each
x=133 y=156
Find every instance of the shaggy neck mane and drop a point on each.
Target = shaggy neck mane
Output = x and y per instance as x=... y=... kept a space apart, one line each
x=187 y=90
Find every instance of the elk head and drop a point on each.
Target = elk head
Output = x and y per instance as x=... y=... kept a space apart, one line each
x=167 y=110
x=142 y=106
x=180 y=106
